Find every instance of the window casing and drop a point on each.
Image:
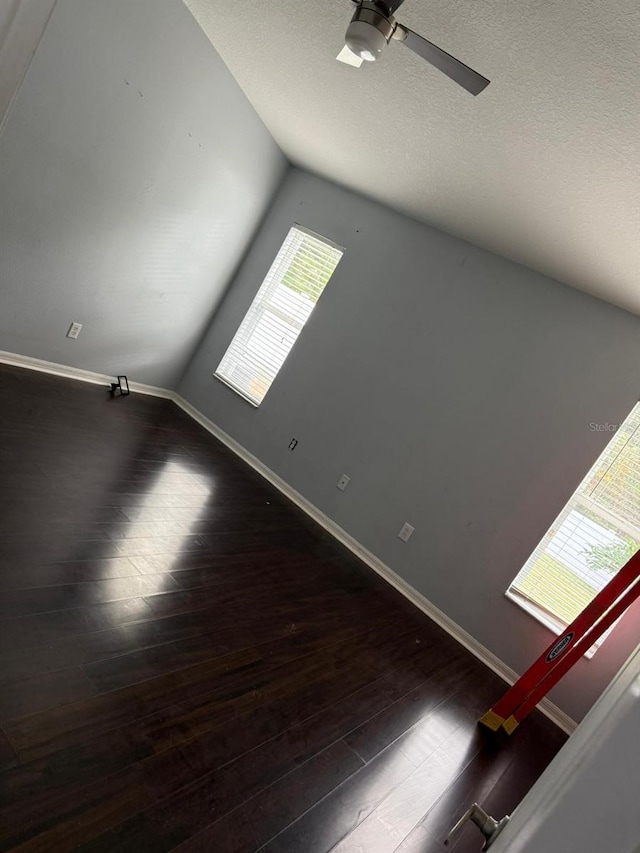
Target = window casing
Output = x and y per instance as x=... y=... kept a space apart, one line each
x=277 y=315
x=593 y=537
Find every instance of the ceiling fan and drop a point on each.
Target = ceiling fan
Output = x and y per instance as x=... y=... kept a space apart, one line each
x=372 y=28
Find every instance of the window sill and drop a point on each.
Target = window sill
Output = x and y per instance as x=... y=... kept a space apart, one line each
x=237 y=390
x=554 y=625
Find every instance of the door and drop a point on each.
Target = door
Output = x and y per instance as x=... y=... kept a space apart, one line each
x=588 y=798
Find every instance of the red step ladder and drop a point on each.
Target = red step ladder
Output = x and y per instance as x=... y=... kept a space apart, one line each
x=558 y=658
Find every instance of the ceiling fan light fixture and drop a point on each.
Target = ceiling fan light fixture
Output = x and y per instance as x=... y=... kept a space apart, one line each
x=365 y=40
x=373 y=26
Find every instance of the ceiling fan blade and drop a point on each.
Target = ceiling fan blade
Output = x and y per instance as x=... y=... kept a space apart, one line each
x=349 y=58
x=443 y=61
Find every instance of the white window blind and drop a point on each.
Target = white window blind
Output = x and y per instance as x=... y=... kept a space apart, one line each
x=277 y=315
x=592 y=538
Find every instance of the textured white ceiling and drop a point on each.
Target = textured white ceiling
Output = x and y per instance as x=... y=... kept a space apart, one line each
x=542 y=167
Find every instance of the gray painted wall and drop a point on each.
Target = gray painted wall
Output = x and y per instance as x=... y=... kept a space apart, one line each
x=455 y=388
x=22 y=23
x=133 y=174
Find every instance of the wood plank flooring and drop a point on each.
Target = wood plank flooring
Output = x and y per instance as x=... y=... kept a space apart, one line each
x=189 y=663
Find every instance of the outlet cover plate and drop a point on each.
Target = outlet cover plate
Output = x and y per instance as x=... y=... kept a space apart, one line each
x=405 y=532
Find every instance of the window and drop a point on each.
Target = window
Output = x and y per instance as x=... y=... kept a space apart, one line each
x=277 y=315
x=592 y=538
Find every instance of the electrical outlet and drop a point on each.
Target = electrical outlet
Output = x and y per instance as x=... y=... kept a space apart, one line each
x=74 y=331
x=343 y=482
x=405 y=532
x=293 y=443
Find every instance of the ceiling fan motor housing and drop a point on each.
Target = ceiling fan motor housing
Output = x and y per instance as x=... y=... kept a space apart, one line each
x=369 y=32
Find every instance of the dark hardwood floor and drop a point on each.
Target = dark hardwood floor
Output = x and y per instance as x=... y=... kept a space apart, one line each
x=189 y=663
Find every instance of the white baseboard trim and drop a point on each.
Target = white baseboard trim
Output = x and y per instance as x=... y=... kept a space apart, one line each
x=483 y=654
x=69 y=372
x=555 y=714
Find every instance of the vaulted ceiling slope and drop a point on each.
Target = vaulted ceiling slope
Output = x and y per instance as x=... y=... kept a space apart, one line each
x=542 y=167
